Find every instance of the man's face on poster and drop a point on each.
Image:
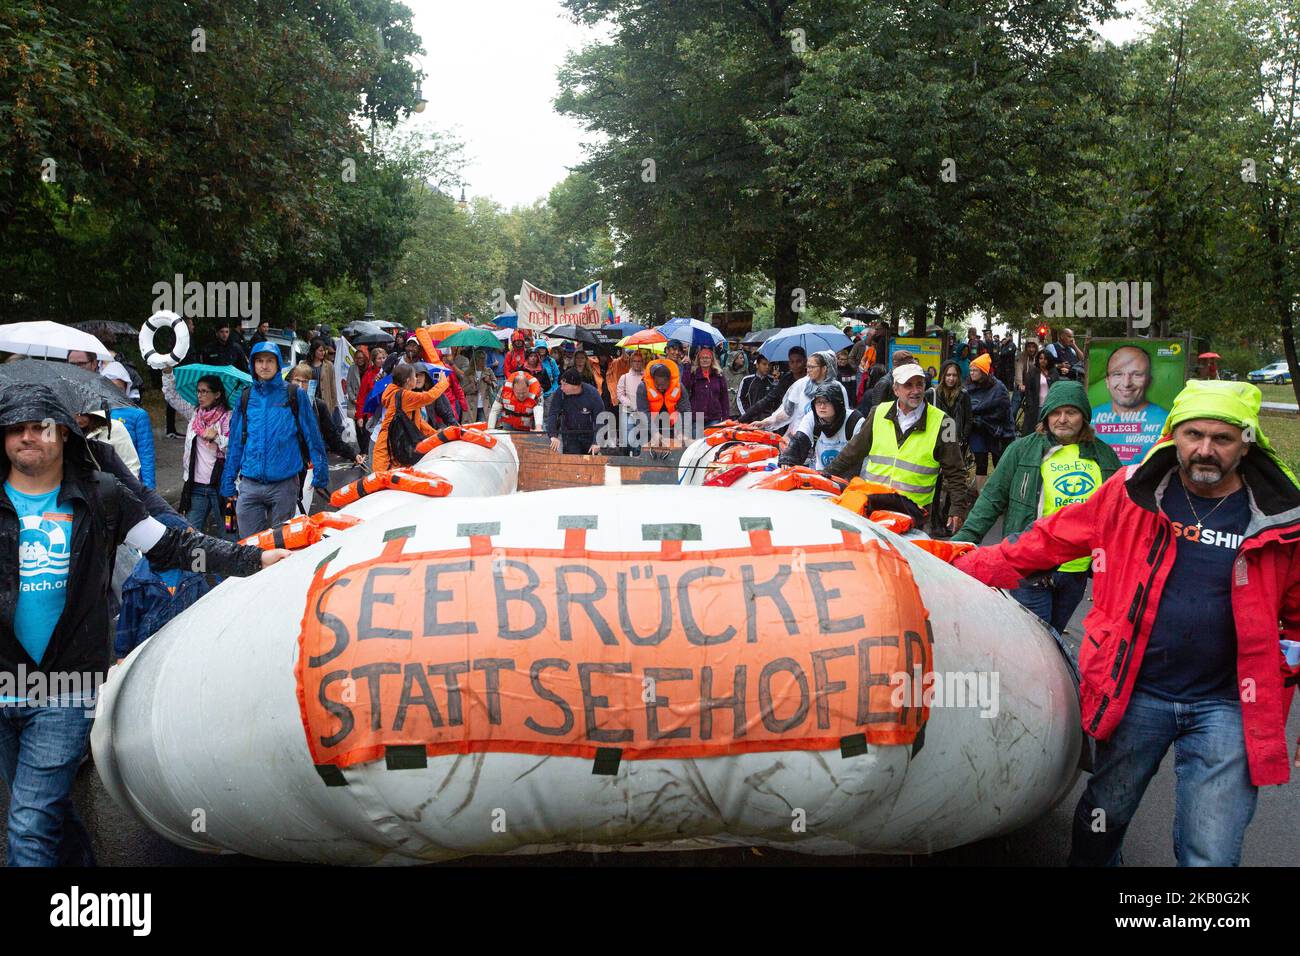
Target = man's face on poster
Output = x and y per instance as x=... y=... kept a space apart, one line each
x=1128 y=376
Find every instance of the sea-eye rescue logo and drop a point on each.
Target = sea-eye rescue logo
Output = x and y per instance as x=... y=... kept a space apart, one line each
x=1074 y=485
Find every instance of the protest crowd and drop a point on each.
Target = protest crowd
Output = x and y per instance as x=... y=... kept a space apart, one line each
x=1197 y=526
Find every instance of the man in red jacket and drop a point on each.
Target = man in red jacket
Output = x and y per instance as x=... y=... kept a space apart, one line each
x=1196 y=557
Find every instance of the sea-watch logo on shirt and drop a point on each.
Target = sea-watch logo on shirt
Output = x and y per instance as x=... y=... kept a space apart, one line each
x=43 y=552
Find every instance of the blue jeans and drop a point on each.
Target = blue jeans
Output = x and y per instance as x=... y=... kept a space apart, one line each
x=40 y=751
x=1214 y=800
x=260 y=506
x=1054 y=597
x=205 y=504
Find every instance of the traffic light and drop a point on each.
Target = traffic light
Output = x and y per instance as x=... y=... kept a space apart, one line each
x=1043 y=330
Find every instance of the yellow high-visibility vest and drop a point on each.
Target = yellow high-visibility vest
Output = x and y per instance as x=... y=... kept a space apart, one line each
x=911 y=470
x=1068 y=478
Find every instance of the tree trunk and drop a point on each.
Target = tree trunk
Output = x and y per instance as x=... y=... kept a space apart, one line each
x=940 y=314
x=895 y=312
x=921 y=305
x=697 y=294
x=785 y=275
x=1285 y=319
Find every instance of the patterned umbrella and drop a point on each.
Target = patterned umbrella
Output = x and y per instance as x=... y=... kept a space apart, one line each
x=692 y=333
x=643 y=338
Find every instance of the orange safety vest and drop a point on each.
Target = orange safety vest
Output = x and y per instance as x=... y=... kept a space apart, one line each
x=518 y=413
x=658 y=400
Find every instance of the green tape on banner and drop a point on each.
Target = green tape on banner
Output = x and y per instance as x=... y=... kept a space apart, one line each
x=854 y=745
x=405 y=757
x=670 y=532
x=488 y=528
x=607 y=761
x=332 y=775
x=334 y=554
x=841 y=526
x=392 y=534
x=586 y=522
x=755 y=524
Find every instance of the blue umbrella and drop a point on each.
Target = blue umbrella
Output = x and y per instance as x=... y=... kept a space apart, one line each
x=233 y=381
x=812 y=338
x=692 y=333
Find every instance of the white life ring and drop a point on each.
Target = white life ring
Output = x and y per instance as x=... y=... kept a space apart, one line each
x=164 y=360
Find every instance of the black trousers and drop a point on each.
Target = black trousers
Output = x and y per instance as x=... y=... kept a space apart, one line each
x=576 y=443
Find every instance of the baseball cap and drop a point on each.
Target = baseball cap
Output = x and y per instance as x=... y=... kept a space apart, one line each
x=905 y=373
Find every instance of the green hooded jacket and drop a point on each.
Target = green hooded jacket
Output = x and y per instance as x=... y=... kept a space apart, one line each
x=1015 y=488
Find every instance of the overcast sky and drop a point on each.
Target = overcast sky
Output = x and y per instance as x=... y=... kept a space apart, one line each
x=491 y=68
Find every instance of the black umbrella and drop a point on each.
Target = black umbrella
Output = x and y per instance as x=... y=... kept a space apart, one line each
x=78 y=389
x=861 y=313
x=105 y=327
x=362 y=327
x=373 y=338
x=574 y=333
x=762 y=335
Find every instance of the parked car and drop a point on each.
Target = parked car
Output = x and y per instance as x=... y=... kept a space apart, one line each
x=1277 y=373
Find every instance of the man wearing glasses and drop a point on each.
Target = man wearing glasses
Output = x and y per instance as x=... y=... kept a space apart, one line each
x=84 y=360
x=1129 y=423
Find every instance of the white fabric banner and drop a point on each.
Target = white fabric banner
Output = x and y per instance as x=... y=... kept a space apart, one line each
x=343 y=357
x=537 y=309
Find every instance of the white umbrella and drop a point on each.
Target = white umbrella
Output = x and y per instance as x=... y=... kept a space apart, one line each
x=50 y=340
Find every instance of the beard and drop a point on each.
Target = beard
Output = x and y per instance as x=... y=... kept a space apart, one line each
x=1205 y=471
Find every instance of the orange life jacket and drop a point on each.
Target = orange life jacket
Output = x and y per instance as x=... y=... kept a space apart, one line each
x=301 y=532
x=660 y=400
x=720 y=436
x=799 y=478
x=399 y=479
x=744 y=454
x=518 y=413
x=473 y=434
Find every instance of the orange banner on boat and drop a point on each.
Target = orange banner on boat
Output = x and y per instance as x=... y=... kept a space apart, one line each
x=661 y=655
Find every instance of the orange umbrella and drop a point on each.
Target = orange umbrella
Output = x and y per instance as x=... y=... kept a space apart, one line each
x=446 y=329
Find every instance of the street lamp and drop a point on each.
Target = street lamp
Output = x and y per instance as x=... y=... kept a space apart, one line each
x=462 y=204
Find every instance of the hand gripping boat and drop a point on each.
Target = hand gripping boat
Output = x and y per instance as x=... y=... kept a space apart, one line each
x=596 y=667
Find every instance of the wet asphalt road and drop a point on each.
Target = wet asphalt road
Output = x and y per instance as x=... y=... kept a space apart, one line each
x=1272 y=840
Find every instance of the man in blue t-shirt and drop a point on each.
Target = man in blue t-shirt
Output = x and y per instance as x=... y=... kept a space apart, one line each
x=44 y=554
x=62 y=520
